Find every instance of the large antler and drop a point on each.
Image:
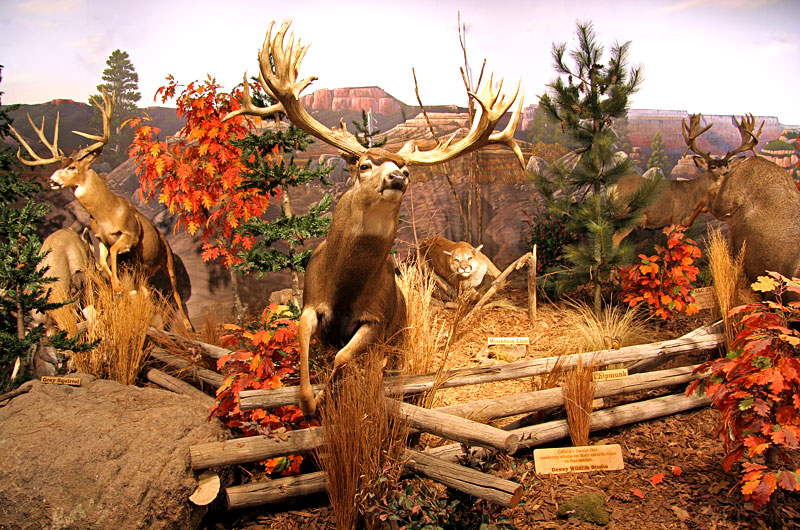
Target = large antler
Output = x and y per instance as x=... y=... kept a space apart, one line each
x=279 y=65
x=745 y=126
x=493 y=106
x=107 y=110
x=58 y=156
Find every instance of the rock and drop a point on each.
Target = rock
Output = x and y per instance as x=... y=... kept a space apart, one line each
x=589 y=507
x=102 y=455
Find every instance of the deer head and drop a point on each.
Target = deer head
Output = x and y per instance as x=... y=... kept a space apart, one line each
x=350 y=297
x=718 y=168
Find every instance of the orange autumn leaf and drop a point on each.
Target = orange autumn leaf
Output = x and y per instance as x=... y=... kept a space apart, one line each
x=637 y=492
x=656 y=479
x=677 y=471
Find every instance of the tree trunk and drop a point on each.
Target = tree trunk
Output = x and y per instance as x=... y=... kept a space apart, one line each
x=278 y=490
x=255 y=448
x=287 y=211
x=238 y=307
x=774 y=519
x=532 y=265
x=180 y=387
x=203 y=374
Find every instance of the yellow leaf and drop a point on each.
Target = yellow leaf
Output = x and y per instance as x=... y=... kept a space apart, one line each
x=155 y=150
x=764 y=284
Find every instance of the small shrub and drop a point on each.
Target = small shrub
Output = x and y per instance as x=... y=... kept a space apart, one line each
x=665 y=280
x=269 y=358
x=550 y=234
x=756 y=388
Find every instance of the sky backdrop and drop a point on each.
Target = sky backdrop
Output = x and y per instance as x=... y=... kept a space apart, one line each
x=709 y=56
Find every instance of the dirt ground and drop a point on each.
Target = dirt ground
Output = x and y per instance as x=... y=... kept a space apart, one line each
x=695 y=493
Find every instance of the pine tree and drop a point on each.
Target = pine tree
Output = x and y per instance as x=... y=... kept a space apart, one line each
x=23 y=288
x=658 y=156
x=365 y=134
x=545 y=129
x=120 y=78
x=585 y=100
x=270 y=173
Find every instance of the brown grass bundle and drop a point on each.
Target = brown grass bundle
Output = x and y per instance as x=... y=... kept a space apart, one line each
x=427 y=337
x=616 y=327
x=120 y=322
x=730 y=283
x=66 y=317
x=578 y=396
x=362 y=442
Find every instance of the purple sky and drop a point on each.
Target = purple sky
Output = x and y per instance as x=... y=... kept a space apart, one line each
x=710 y=56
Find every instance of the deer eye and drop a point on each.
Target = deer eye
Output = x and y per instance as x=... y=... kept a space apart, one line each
x=363 y=167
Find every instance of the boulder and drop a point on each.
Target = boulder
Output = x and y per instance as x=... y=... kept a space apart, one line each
x=101 y=455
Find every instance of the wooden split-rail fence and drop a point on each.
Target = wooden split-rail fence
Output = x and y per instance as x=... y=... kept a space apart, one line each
x=464 y=424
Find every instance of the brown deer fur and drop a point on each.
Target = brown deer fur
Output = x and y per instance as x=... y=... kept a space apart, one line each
x=760 y=202
x=351 y=298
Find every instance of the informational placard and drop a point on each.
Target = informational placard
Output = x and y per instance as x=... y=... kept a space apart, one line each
x=55 y=380
x=607 y=375
x=578 y=459
x=508 y=340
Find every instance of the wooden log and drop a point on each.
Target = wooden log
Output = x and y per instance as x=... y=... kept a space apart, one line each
x=489 y=409
x=255 y=448
x=602 y=419
x=179 y=387
x=532 y=285
x=705 y=338
x=278 y=490
x=204 y=374
x=471 y=481
x=497 y=284
x=453 y=427
x=212 y=350
x=494 y=489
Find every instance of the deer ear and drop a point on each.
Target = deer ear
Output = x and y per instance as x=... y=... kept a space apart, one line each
x=701 y=162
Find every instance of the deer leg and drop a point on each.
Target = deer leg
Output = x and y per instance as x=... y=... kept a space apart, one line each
x=102 y=251
x=701 y=206
x=123 y=244
x=306 y=327
x=363 y=337
x=169 y=265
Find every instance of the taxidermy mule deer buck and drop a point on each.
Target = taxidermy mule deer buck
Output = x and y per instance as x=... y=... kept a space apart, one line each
x=350 y=298
x=757 y=198
x=114 y=220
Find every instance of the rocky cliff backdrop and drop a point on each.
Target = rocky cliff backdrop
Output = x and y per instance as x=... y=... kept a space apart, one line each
x=493 y=191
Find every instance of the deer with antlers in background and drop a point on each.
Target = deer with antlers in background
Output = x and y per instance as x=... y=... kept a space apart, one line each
x=119 y=227
x=350 y=297
x=756 y=198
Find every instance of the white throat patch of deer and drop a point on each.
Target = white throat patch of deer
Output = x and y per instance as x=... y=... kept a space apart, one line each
x=119 y=227
x=350 y=297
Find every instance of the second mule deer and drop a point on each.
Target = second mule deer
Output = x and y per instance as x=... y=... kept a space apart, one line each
x=757 y=199
x=114 y=220
x=350 y=298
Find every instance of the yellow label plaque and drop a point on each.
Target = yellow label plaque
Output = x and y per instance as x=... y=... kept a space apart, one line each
x=578 y=459
x=53 y=380
x=606 y=375
x=508 y=340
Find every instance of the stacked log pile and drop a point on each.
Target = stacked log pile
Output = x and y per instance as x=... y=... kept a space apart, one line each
x=464 y=424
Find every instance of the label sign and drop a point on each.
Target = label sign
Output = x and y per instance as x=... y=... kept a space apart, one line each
x=606 y=375
x=53 y=380
x=508 y=340
x=578 y=459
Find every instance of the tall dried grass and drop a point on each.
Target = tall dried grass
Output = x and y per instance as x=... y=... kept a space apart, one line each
x=730 y=284
x=120 y=322
x=66 y=317
x=428 y=337
x=363 y=448
x=578 y=393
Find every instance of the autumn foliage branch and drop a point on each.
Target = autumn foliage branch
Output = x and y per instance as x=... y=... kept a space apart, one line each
x=664 y=281
x=756 y=387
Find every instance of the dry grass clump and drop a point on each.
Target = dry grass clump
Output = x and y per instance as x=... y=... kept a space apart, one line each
x=66 y=317
x=120 y=322
x=578 y=393
x=427 y=339
x=616 y=327
x=362 y=442
x=730 y=283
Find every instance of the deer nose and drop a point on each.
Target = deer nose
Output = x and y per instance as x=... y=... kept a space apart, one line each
x=397 y=181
